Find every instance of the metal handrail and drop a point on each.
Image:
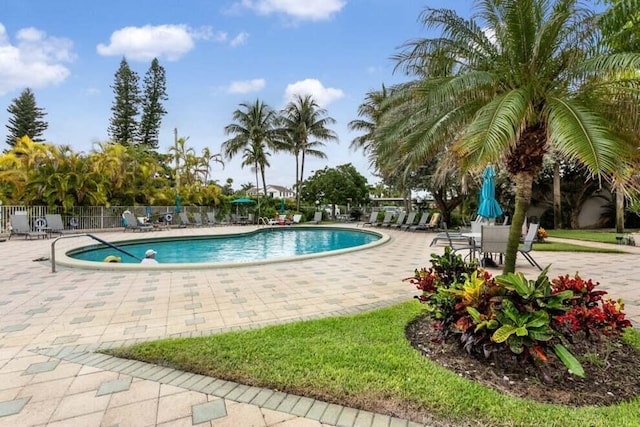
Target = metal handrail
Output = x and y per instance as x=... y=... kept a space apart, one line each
x=104 y=242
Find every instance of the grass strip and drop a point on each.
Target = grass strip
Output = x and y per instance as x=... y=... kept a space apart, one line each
x=364 y=361
x=570 y=247
x=601 y=236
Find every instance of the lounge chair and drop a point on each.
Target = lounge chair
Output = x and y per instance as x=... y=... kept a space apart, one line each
x=448 y=236
x=409 y=222
x=372 y=219
x=211 y=218
x=434 y=222
x=527 y=246
x=422 y=223
x=184 y=220
x=385 y=221
x=197 y=219
x=296 y=219
x=20 y=226
x=399 y=220
x=134 y=224
x=317 y=217
x=55 y=224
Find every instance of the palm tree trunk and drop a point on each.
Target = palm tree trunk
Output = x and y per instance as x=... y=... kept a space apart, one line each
x=619 y=210
x=301 y=174
x=264 y=182
x=298 y=183
x=524 y=184
x=557 y=210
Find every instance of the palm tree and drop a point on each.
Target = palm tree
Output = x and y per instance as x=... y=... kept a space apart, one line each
x=254 y=132
x=519 y=79
x=305 y=129
x=370 y=113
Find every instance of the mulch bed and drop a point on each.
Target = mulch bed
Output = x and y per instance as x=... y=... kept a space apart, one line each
x=612 y=370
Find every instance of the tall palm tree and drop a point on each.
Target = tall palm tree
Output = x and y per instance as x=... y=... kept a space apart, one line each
x=254 y=131
x=370 y=113
x=305 y=129
x=518 y=79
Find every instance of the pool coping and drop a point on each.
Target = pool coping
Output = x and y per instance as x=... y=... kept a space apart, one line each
x=63 y=260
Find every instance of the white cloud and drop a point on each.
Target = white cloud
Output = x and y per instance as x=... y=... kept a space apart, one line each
x=322 y=95
x=240 y=39
x=170 y=42
x=36 y=60
x=246 y=86
x=299 y=9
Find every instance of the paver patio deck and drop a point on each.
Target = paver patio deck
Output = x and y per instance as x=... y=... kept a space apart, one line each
x=51 y=323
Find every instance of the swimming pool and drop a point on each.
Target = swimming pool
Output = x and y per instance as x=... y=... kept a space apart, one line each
x=253 y=247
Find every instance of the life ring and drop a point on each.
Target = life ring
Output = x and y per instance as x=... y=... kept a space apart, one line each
x=168 y=217
x=73 y=222
x=112 y=258
x=40 y=223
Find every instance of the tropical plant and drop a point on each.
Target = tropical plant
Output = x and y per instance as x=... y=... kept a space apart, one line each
x=254 y=133
x=519 y=78
x=305 y=127
x=512 y=316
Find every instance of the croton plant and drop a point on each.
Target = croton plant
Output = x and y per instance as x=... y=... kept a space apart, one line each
x=512 y=315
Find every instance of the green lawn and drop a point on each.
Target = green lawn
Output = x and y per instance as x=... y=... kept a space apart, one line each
x=364 y=361
x=569 y=247
x=603 y=236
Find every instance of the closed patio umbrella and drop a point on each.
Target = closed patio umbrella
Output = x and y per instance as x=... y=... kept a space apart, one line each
x=489 y=207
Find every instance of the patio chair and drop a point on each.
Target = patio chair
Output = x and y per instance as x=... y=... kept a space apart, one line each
x=399 y=220
x=493 y=240
x=197 y=219
x=55 y=224
x=421 y=224
x=296 y=219
x=527 y=246
x=409 y=222
x=211 y=218
x=317 y=217
x=385 y=221
x=184 y=220
x=372 y=219
x=20 y=226
x=134 y=224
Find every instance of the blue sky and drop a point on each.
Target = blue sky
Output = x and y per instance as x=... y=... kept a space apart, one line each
x=216 y=54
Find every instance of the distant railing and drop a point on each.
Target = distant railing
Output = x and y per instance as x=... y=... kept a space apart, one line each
x=93 y=217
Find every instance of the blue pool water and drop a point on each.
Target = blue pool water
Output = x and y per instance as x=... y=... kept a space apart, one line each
x=261 y=245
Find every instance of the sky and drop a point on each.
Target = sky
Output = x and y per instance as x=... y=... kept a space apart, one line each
x=216 y=54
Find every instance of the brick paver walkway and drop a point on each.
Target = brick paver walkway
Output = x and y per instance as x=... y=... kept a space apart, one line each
x=51 y=324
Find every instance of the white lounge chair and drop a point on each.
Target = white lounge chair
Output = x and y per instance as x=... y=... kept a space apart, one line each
x=20 y=226
x=372 y=219
x=422 y=223
x=399 y=220
x=55 y=224
x=409 y=222
x=385 y=221
x=134 y=224
x=317 y=217
x=211 y=218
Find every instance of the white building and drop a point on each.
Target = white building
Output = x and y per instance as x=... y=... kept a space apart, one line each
x=275 y=191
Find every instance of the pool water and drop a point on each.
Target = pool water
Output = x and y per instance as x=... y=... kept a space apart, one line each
x=261 y=245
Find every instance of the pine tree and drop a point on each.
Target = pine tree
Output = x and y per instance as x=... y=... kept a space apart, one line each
x=152 y=110
x=123 y=124
x=26 y=118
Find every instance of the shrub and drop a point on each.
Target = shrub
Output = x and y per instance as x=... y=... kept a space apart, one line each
x=510 y=316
